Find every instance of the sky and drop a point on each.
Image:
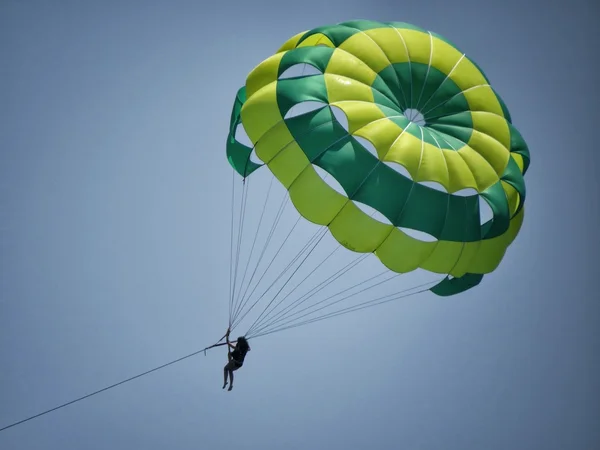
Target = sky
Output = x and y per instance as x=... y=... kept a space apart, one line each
x=115 y=202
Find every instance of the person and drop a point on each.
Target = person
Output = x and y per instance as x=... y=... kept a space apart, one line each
x=235 y=357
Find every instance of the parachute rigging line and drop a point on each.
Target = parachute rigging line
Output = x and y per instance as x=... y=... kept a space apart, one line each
x=241 y=230
x=268 y=241
x=360 y=306
x=217 y=344
x=91 y=394
x=276 y=313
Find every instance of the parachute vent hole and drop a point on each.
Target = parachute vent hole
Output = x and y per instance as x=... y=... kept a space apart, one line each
x=434 y=185
x=485 y=211
x=299 y=70
x=415 y=116
x=367 y=145
x=372 y=212
x=242 y=137
x=399 y=168
x=418 y=235
x=340 y=116
x=302 y=108
x=330 y=180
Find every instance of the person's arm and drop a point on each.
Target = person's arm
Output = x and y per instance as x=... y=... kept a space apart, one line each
x=229 y=344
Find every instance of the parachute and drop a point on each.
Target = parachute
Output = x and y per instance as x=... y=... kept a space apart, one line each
x=398 y=158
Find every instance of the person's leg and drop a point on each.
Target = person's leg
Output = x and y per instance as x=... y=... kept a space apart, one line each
x=234 y=366
x=225 y=376
x=230 y=380
x=227 y=369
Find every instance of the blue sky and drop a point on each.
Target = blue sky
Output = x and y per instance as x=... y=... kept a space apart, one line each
x=114 y=245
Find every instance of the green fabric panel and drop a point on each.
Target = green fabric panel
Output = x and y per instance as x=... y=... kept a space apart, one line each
x=448 y=287
x=397 y=78
x=375 y=192
x=402 y=121
x=496 y=198
x=445 y=103
x=336 y=33
x=439 y=214
x=512 y=175
x=297 y=90
x=449 y=142
x=318 y=57
x=433 y=82
x=422 y=133
x=382 y=101
x=382 y=87
x=425 y=211
x=518 y=145
x=419 y=74
x=458 y=126
x=463 y=219
x=238 y=154
x=240 y=99
x=349 y=163
x=316 y=131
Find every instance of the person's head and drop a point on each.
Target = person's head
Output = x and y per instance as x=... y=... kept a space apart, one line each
x=242 y=344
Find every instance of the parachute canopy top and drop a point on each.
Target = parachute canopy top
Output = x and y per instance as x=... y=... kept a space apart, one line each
x=424 y=140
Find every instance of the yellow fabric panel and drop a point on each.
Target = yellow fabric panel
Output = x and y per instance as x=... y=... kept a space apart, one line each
x=359 y=113
x=391 y=43
x=314 y=198
x=364 y=48
x=469 y=251
x=402 y=253
x=263 y=74
x=519 y=160
x=341 y=88
x=433 y=166
x=491 y=150
x=288 y=164
x=494 y=126
x=483 y=173
x=292 y=42
x=343 y=63
x=407 y=152
x=513 y=197
x=482 y=98
x=443 y=257
x=491 y=251
x=353 y=225
x=316 y=39
x=466 y=75
x=382 y=133
x=273 y=141
x=418 y=44
x=461 y=176
x=260 y=112
x=444 y=56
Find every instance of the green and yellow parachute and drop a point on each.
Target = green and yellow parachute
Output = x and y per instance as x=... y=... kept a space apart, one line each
x=424 y=142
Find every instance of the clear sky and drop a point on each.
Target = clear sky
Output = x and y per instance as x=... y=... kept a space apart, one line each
x=114 y=245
